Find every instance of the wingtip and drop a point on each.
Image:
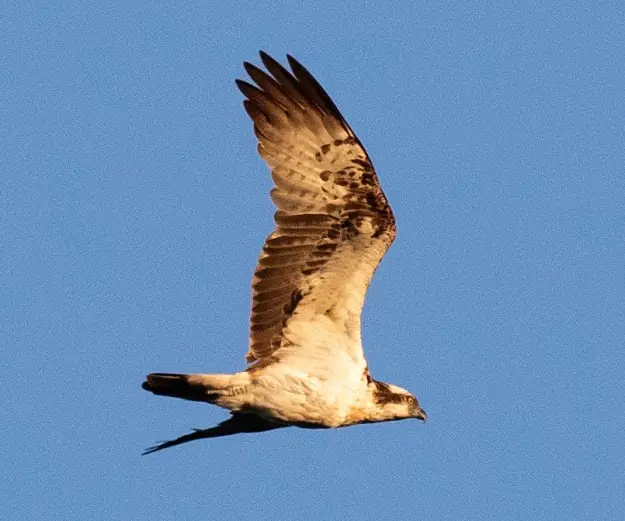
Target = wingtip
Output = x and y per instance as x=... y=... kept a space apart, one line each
x=248 y=90
x=248 y=66
x=151 y=450
x=296 y=65
x=269 y=62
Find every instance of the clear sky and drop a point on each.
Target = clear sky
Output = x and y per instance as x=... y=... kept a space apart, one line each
x=133 y=206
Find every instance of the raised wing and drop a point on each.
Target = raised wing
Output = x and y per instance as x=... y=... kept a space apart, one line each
x=333 y=223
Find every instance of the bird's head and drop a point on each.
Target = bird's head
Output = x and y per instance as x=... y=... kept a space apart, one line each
x=395 y=403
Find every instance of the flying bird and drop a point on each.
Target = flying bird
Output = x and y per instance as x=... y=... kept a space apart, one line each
x=333 y=226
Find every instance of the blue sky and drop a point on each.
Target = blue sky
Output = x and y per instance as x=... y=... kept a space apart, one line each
x=133 y=207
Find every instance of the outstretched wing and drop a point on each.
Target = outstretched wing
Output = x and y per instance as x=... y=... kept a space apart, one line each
x=333 y=222
x=236 y=424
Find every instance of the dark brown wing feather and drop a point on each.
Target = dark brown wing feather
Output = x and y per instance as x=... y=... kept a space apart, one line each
x=236 y=424
x=330 y=204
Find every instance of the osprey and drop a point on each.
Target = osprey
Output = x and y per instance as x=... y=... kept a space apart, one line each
x=333 y=226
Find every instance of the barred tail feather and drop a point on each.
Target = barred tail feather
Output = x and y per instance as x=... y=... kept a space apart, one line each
x=196 y=387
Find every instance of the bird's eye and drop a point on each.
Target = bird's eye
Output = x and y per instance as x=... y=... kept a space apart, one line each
x=412 y=400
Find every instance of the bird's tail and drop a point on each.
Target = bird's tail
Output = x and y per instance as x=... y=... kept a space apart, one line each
x=196 y=387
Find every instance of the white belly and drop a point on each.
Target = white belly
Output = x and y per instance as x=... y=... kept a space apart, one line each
x=317 y=397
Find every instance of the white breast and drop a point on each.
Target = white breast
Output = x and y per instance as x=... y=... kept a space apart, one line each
x=315 y=389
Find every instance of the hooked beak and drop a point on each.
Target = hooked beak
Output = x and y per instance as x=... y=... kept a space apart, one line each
x=421 y=415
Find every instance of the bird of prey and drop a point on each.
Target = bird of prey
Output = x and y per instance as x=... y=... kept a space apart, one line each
x=333 y=226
